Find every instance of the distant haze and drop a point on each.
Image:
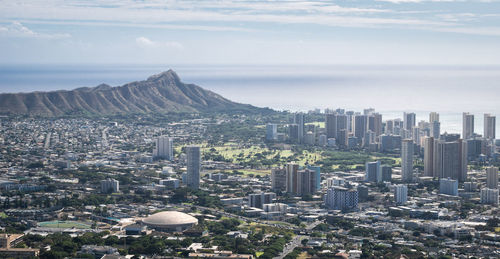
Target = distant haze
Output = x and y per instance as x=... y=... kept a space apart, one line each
x=391 y=90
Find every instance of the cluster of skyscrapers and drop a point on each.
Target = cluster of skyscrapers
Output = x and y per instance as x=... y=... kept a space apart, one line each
x=293 y=180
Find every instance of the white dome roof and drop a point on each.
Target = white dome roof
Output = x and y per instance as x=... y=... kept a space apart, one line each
x=170 y=218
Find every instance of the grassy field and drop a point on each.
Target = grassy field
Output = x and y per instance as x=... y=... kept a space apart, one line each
x=3 y=215
x=258 y=254
x=64 y=224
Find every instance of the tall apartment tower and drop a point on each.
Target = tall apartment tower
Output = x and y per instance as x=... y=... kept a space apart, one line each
x=450 y=159
x=164 y=148
x=110 y=185
x=429 y=157
x=489 y=126
x=407 y=151
x=435 y=129
x=299 y=120
x=193 y=166
x=271 y=131
x=492 y=177
x=373 y=172
x=331 y=125
x=342 y=127
x=375 y=123
x=467 y=125
x=400 y=194
x=359 y=127
x=409 y=121
x=278 y=179
x=433 y=116
x=292 y=181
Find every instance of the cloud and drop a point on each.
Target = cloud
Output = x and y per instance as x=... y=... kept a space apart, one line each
x=147 y=43
x=17 y=29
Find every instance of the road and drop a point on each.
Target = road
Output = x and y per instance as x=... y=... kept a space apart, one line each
x=296 y=241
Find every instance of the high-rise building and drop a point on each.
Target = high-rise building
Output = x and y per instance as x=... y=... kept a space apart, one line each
x=386 y=173
x=467 y=125
x=433 y=116
x=360 y=127
x=435 y=129
x=278 y=179
x=257 y=200
x=293 y=132
x=407 y=151
x=193 y=166
x=373 y=173
x=389 y=127
x=409 y=121
x=164 y=148
x=492 y=177
x=448 y=186
x=271 y=131
x=331 y=125
x=317 y=178
x=110 y=186
x=292 y=182
x=342 y=138
x=429 y=157
x=299 y=120
x=450 y=160
x=375 y=123
x=341 y=125
x=400 y=194
x=489 y=196
x=341 y=198
x=489 y=126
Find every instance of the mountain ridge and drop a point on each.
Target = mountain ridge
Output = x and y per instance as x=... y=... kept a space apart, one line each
x=159 y=93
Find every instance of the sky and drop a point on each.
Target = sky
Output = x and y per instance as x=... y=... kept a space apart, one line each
x=452 y=32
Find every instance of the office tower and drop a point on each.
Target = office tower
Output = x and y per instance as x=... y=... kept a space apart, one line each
x=293 y=132
x=489 y=196
x=257 y=200
x=467 y=125
x=375 y=123
x=271 y=131
x=369 y=138
x=331 y=125
x=362 y=193
x=164 y=148
x=193 y=166
x=407 y=152
x=278 y=179
x=386 y=173
x=317 y=177
x=373 y=173
x=429 y=157
x=448 y=186
x=309 y=138
x=110 y=186
x=409 y=121
x=450 y=160
x=341 y=198
x=359 y=127
x=433 y=116
x=291 y=177
x=492 y=177
x=489 y=126
x=435 y=129
x=475 y=148
x=400 y=194
x=299 y=120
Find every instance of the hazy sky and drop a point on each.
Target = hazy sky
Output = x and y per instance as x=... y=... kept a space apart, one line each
x=250 y=32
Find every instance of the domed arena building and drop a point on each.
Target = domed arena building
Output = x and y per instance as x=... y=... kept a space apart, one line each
x=170 y=221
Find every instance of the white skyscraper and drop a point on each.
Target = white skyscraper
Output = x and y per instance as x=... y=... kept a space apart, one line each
x=164 y=148
x=407 y=160
x=400 y=194
x=193 y=166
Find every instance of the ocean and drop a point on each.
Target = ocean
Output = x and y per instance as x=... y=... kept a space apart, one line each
x=391 y=90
